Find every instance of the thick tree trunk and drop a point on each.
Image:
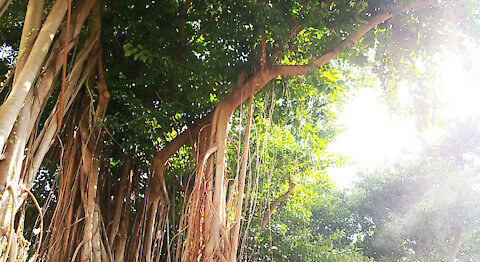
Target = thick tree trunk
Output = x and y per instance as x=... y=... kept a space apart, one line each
x=13 y=155
x=216 y=217
x=81 y=173
x=25 y=102
x=10 y=109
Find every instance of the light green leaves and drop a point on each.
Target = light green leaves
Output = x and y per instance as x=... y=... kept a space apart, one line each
x=138 y=53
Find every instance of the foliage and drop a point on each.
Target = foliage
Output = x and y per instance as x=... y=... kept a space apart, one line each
x=294 y=150
x=423 y=209
x=169 y=64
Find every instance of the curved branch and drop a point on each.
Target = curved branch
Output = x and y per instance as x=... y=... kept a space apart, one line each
x=166 y=152
x=39 y=243
x=241 y=93
x=266 y=217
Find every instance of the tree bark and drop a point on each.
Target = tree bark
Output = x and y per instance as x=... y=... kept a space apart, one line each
x=119 y=198
x=10 y=109
x=4 y=5
x=207 y=220
x=32 y=23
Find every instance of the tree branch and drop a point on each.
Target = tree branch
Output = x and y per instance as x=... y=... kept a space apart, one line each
x=294 y=30
x=264 y=76
x=458 y=244
x=263 y=48
x=3 y=6
x=10 y=109
x=181 y=24
x=166 y=152
x=266 y=217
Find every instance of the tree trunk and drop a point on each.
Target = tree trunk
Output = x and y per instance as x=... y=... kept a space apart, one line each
x=22 y=108
x=10 y=109
x=458 y=244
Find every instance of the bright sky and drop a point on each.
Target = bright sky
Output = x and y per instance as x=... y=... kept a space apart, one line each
x=371 y=137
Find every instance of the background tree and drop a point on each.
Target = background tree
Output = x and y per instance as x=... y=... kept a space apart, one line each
x=424 y=210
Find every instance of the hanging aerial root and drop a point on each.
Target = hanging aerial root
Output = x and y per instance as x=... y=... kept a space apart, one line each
x=37 y=251
x=241 y=185
x=197 y=202
x=12 y=220
x=64 y=69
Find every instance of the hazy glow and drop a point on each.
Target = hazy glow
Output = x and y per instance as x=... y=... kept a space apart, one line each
x=371 y=137
x=459 y=88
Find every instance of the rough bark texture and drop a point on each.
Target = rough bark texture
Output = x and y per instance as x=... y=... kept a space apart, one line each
x=10 y=109
x=79 y=188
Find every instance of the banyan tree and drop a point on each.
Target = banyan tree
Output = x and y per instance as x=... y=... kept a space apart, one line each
x=132 y=130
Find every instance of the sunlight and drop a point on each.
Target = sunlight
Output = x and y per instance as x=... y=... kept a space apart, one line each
x=458 y=89
x=372 y=138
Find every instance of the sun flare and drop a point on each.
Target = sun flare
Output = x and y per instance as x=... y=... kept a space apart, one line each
x=371 y=137
x=458 y=86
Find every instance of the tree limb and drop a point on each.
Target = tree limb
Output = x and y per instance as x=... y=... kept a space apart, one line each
x=3 y=6
x=181 y=25
x=266 y=217
x=294 y=30
x=458 y=244
x=241 y=93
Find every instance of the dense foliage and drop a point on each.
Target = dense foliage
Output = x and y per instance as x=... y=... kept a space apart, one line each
x=172 y=167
